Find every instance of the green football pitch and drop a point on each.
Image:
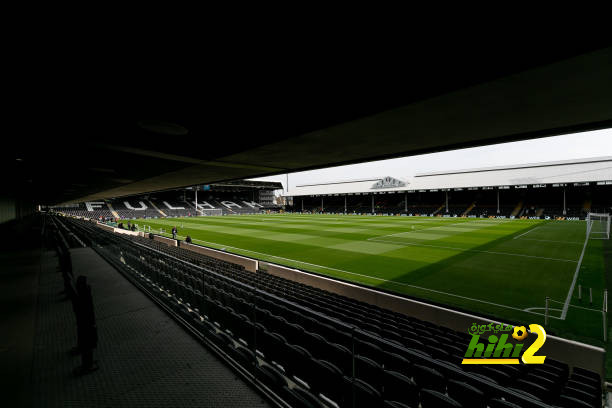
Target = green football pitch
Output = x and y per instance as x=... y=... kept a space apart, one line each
x=500 y=268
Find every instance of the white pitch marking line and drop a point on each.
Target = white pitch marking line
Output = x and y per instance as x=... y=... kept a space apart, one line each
x=578 y=307
x=375 y=239
x=551 y=240
x=532 y=310
x=525 y=233
x=368 y=276
x=571 y=289
x=397 y=233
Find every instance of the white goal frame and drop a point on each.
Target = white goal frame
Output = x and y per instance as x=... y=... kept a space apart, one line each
x=598 y=225
x=210 y=211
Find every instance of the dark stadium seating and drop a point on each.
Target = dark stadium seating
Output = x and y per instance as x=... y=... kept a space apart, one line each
x=80 y=210
x=176 y=211
x=313 y=346
x=126 y=213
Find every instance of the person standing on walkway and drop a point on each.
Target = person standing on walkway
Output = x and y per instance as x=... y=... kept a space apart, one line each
x=87 y=332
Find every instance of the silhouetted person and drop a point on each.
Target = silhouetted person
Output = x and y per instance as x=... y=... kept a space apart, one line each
x=174 y=232
x=133 y=227
x=188 y=239
x=87 y=333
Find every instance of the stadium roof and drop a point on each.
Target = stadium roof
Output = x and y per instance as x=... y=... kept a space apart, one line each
x=598 y=169
x=113 y=130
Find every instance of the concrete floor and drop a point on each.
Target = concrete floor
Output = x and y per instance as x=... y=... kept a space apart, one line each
x=146 y=359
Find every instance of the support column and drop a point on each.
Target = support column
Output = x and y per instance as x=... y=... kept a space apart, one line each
x=498 y=201
x=302 y=205
x=321 y=204
x=345 y=204
x=372 y=203
x=446 y=201
x=406 y=202
x=564 y=208
x=196 y=200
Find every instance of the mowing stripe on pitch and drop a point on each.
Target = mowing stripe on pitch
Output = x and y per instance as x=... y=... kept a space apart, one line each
x=367 y=276
x=375 y=239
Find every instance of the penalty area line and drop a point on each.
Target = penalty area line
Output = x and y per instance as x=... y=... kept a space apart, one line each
x=525 y=233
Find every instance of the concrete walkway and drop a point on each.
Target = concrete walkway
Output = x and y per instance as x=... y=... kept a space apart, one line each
x=145 y=358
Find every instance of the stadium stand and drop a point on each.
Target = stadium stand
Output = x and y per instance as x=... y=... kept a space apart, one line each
x=174 y=208
x=135 y=208
x=312 y=347
x=97 y=212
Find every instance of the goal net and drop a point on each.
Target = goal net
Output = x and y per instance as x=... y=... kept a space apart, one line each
x=210 y=211
x=598 y=225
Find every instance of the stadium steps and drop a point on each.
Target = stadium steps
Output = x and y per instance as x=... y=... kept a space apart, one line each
x=518 y=208
x=439 y=209
x=586 y=206
x=112 y=210
x=466 y=212
x=154 y=206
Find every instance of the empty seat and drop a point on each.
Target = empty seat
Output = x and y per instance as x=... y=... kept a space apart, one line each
x=359 y=394
x=395 y=362
x=495 y=374
x=466 y=394
x=581 y=395
x=369 y=371
x=395 y=404
x=566 y=401
x=586 y=373
x=398 y=387
x=435 y=399
x=339 y=355
x=427 y=377
x=589 y=388
x=243 y=356
x=300 y=398
x=270 y=377
x=499 y=403
x=368 y=349
x=296 y=360
x=326 y=379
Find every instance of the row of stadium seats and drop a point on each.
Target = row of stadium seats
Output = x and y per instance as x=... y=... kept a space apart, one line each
x=395 y=204
x=312 y=346
x=145 y=208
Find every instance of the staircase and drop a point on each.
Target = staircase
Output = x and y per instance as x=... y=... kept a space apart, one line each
x=518 y=208
x=158 y=210
x=466 y=212
x=112 y=210
x=439 y=209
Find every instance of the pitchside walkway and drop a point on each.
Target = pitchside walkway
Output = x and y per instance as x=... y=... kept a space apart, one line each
x=145 y=358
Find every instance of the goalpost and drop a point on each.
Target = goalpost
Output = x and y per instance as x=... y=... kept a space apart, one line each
x=598 y=225
x=210 y=211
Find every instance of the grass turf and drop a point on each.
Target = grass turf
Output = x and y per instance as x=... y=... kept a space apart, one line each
x=499 y=268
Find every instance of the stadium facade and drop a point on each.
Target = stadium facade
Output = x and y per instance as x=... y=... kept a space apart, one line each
x=570 y=188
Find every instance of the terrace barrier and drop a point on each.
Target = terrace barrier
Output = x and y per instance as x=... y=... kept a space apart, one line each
x=249 y=264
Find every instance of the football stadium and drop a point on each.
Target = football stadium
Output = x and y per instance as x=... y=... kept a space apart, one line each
x=432 y=246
